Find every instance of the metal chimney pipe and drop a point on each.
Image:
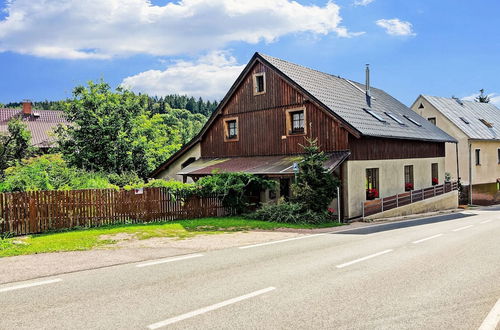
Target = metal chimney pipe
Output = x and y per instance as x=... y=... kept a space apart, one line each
x=367 y=83
x=367 y=86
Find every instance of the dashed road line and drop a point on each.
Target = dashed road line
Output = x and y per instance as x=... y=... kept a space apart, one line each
x=364 y=258
x=207 y=309
x=163 y=261
x=462 y=228
x=492 y=319
x=426 y=239
x=29 y=285
x=280 y=241
x=485 y=221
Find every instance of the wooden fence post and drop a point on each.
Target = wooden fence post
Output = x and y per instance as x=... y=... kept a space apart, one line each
x=33 y=217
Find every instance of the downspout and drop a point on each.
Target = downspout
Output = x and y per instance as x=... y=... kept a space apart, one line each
x=458 y=168
x=470 y=173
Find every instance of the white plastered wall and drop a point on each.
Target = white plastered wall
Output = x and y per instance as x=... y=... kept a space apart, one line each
x=171 y=172
x=391 y=178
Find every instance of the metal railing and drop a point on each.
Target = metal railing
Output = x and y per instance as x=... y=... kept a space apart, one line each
x=391 y=202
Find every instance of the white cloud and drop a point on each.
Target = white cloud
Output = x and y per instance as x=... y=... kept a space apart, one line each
x=362 y=2
x=209 y=77
x=77 y=29
x=396 y=27
x=494 y=98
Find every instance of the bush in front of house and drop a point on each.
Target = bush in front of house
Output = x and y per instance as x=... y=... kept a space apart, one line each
x=290 y=212
x=234 y=188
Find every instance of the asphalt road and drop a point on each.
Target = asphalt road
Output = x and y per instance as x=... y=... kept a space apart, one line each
x=437 y=273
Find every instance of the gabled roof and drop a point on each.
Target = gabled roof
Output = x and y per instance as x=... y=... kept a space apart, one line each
x=41 y=127
x=342 y=98
x=476 y=116
x=347 y=99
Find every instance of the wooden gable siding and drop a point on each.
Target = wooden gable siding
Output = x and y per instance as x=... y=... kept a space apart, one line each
x=262 y=121
x=367 y=148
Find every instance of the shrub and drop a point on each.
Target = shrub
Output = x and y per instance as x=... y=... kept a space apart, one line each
x=50 y=172
x=125 y=179
x=234 y=188
x=172 y=186
x=289 y=212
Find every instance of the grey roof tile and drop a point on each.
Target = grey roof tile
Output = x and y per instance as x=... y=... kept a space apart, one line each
x=472 y=112
x=347 y=99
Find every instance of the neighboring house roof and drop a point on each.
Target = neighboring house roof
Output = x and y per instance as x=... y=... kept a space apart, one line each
x=40 y=126
x=347 y=99
x=268 y=165
x=477 y=117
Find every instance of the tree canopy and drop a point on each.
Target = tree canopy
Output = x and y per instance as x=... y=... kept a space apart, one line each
x=482 y=98
x=114 y=132
x=15 y=145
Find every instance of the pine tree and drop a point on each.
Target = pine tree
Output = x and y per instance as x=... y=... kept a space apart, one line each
x=482 y=98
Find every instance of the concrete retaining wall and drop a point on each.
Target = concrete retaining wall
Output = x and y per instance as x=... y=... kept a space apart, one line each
x=443 y=202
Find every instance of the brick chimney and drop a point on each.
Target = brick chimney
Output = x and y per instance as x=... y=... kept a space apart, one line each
x=27 y=107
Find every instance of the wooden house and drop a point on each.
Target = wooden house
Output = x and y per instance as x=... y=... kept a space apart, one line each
x=376 y=145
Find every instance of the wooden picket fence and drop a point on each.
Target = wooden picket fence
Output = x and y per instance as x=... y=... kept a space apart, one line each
x=24 y=213
x=391 y=202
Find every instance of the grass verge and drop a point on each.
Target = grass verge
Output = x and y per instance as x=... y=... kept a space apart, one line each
x=86 y=239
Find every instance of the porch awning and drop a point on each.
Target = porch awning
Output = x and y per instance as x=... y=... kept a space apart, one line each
x=264 y=165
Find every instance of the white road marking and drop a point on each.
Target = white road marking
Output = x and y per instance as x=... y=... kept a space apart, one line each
x=280 y=241
x=462 y=228
x=162 y=261
x=426 y=239
x=364 y=258
x=485 y=221
x=28 y=285
x=493 y=319
x=208 y=308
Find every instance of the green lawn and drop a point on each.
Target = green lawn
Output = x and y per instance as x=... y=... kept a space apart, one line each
x=86 y=239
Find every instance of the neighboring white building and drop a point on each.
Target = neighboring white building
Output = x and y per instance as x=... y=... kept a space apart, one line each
x=476 y=126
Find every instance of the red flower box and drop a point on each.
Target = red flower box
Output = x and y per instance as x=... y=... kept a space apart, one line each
x=435 y=181
x=408 y=186
x=371 y=193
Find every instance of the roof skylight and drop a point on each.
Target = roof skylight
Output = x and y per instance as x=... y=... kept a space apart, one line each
x=486 y=123
x=464 y=120
x=413 y=121
x=396 y=119
x=375 y=115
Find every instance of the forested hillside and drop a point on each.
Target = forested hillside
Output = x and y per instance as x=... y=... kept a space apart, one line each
x=155 y=104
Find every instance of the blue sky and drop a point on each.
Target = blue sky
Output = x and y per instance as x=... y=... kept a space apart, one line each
x=198 y=47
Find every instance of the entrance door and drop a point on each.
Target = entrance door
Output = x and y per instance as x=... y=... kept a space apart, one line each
x=285 y=188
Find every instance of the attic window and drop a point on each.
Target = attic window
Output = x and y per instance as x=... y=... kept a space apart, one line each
x=421 y=106
x=296 y=121
x=413 y=121
x=231 y=129
x=486 y=123
x=375 y=115
x=259 y=83
x=464 y=120
x=396 y=119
